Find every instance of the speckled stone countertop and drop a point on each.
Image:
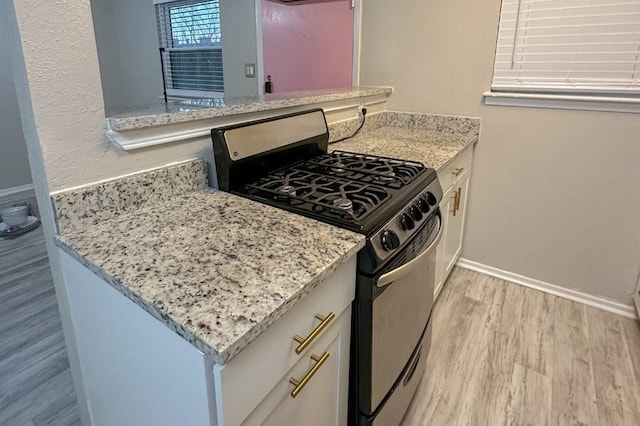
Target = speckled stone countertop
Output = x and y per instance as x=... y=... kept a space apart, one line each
x=434 y=140
x=219 y=269
x=198 y=109
x=216 y=268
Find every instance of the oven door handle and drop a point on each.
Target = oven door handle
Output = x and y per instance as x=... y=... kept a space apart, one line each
x=397 y=273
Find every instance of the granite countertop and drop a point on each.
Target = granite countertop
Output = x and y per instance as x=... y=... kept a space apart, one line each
x=219 y=269
x=216 y=268
x=433 y=140
x=198 y=109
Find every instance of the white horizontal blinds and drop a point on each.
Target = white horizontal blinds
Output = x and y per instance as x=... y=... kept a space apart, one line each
x=190 y=33
x=585 y=46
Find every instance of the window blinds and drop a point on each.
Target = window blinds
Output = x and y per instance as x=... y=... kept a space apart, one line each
x=559 y=46
x=190 y=39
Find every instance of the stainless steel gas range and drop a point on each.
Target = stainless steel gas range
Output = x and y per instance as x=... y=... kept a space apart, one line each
x=284 y=162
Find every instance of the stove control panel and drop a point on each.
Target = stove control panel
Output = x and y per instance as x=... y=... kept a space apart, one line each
x=407 y=222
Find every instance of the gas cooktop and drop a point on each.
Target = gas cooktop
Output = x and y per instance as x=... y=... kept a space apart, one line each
x=344 y=188
x=285 y=162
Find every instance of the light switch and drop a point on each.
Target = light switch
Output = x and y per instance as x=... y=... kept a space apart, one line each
x=250 y=70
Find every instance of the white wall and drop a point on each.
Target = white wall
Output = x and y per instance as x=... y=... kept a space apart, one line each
x=104 y=24
x=239 y=46
x=555 y=194
x=139 y=55
x=127 y=39
x=14 y=164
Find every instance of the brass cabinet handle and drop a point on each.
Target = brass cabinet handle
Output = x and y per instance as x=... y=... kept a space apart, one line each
x=458 y=171
x=458 y=198
x=304 y=342
x=455 y=203
x=300 y=384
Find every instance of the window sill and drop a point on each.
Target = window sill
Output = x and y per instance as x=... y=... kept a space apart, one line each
x=554 y=101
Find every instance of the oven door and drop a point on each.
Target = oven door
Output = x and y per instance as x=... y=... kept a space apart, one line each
x=400 y=314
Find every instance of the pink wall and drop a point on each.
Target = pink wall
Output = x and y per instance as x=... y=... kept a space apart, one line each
x=308 y=45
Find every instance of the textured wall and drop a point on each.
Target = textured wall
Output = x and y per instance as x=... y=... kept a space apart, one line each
x=554 y=193
x=308 y=45
x=64 y=82
x=14 y=164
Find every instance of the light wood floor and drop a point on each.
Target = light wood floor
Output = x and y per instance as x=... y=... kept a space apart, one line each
x=501 y=354
x=506 y=354
x=35 y=382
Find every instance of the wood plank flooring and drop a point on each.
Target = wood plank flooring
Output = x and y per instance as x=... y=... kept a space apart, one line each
x=35 y=381
x=501 y=354
x=506 y=354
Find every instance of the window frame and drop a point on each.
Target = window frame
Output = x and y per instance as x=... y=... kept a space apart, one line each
x=554 y=95
x=165 y=34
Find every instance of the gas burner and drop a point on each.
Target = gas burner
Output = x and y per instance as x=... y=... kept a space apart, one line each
x=287 y=190
x=343 y=203
x=338 y=167
x=386 y=176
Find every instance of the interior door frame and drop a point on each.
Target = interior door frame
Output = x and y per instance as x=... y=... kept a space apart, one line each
x=357 y=40
x=259 y=49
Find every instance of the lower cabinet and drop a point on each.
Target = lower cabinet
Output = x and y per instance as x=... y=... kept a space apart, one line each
x=137 y=371
x=452 y=246
x=297 y=371
x=320 y=383
x=455 y=185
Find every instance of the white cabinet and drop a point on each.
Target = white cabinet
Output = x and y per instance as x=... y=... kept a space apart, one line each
x=322 y=381
x=455 y=212
x=455 y=186
x=137 y=371
x=255 y=387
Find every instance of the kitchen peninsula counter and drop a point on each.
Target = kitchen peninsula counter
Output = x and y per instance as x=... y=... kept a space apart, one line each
x=216 y=268
x=180 y=111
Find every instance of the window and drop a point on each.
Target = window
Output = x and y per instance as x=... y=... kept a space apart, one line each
x=190 y=43
x=576 y=48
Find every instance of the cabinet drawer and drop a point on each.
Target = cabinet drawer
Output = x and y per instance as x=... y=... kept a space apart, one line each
x=324 y=398
x=454 y=171
x=241 y=384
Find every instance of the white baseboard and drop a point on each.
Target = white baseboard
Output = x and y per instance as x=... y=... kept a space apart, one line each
x=15 y=190
x=576 y=296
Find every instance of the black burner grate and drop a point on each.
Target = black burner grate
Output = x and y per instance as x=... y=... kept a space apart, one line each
x=326 y=195
x=383 y=171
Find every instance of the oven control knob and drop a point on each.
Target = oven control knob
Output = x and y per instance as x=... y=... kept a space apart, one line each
x=407 y=222
x=415 y=213
x=431 y=199
x=389 y=240
x=423 y=205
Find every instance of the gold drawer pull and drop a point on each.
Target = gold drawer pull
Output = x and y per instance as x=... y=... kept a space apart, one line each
x=456 y=196
x=300 y=384
x=458 y=171
x=303 y=343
